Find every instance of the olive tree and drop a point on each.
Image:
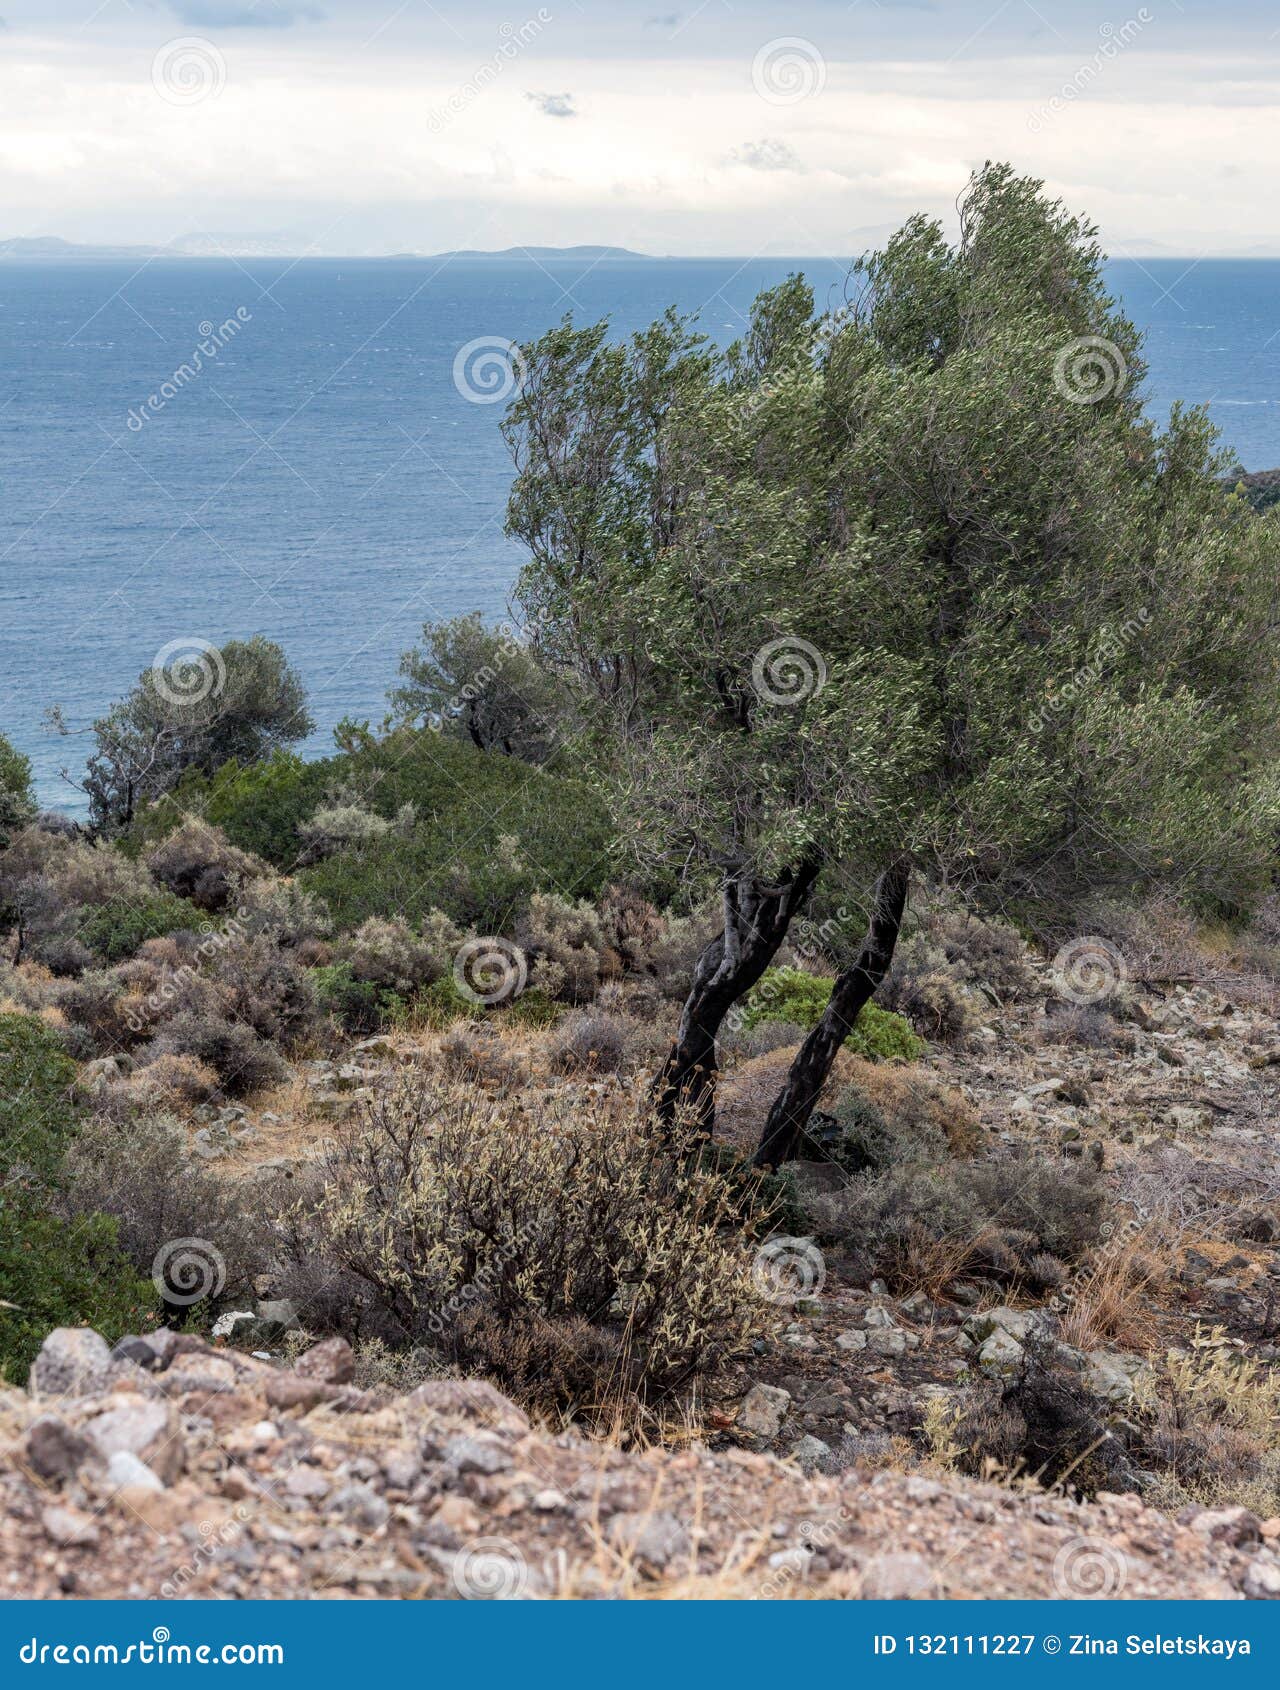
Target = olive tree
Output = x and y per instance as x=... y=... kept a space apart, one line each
x=911 y=589
x=480 y=683
x=16 y=804
x=198 y=707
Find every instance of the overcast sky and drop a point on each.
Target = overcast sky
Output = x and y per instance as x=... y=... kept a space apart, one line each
x=799 y=128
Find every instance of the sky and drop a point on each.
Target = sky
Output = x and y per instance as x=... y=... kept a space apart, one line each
x=372 y=126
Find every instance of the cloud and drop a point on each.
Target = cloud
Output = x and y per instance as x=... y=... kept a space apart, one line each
x=663 y=20
x=554 y=105
x=243 y=14
x=766 y=154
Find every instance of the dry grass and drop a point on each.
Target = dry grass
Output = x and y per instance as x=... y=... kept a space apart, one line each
x=1111 y=1304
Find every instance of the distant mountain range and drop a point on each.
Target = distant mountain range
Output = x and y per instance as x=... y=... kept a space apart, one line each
x=51 y=247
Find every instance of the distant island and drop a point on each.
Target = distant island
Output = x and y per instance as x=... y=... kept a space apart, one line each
x=43 y=248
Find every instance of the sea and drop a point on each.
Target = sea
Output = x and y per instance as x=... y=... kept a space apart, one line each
x=198 y=450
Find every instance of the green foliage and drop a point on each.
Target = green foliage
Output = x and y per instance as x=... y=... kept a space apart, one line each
x=16 y=803
x=443 y=1002
x=58 y=1274
x=919 y=577
x=359 y=1005
x=116 y=931
x=207 y=707
x=37 y=1114
x=533 y=1008
x=51 y=1273
x=791 y=995
x=481 y=684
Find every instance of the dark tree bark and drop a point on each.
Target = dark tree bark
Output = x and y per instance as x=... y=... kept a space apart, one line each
x=795 y=1103
x=756 y=919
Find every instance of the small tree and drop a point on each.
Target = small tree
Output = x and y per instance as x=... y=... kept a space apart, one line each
x=16 y=803
x=481 y=683
x=202 y=708
x=913 y=588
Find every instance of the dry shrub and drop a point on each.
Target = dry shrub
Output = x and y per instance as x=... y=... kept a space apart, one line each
x=389 y=954
x=566 y=947
x=1109 y=1304
x=198 y=862
x=1083 y=1025
x=171 y=1082
x=632 y=927
x=1208 y=1415
x=951 y=968
x=474 y=1051
x=569 y=1248
x=143 y=1173
x=1158 y=938
x=763 y=1038
x=889 y=1116
x=675 y=955
x=244 y=1061
x=589 y=1041
x=921 y=1224
x=53 y=881
x=936 y=1004
x=284 y=912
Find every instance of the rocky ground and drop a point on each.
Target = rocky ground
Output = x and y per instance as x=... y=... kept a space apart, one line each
x=175 y=1467
x=171 y=1468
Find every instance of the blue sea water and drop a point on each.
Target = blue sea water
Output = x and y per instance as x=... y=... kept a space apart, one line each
x=323 y=481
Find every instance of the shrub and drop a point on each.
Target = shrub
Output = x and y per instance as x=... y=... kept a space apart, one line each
x=632 y=927
x=1081 y=1024
x=59 y=1275
x=589 y=1042
x=281 y=911
x=919 y=1224
x=389 y=954
x=571 y=1251
x=142 y=1173
x=171 y=1081
x=115 y=931
x=357 y=1005
x=243 y=1061
x=338 y=826
x=789 y=994
x=16 y=803
x=477 y=1053
x=763 y=1038
x=197 y=862
x=36 y=1107
x=886 y=1117
x=932 y=1001
x=566 y=946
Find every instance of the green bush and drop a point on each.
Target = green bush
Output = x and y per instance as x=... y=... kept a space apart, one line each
x=117 y=931
x=37 y=1114
x=60 y=1273
x=16 y=803
x=359 y=1005
x=789 y=994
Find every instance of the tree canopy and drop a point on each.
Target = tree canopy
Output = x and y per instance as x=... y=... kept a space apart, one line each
x=914 y=586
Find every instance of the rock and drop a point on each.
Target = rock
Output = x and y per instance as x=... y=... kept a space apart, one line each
x=236 y=1325
x=1189 y=1118
x=126 y=1472
x=376 y=1046
x=1233 y=1526
x=654 y=1540
x=887 y=1341
x=809 y=1453
x=1258 y=1227
x=1018 y=1323
x=898 y=1577
x=549 y=1501
x=69 y=1527
x=73 y=1361
x=104 y=1072
x=477 y=1453
x=54 y=1452
x=1261 y=1581
x=139 y=1352
x=878 y=1316
x=279 y=1315
x=146 y=1428
x=402 y=1468
x=852 y=1340
x=807 y=1306
x=331 y=1360
x=362 y=1506
x=1000 y=1355
x=286 y=1390
x=1113 y=1376
x=476 y=1399
x=763 y=1410
x=306 y=1482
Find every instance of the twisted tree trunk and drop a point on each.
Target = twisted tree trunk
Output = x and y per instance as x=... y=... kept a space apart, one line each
x=756 y=919
x=794 y=1104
